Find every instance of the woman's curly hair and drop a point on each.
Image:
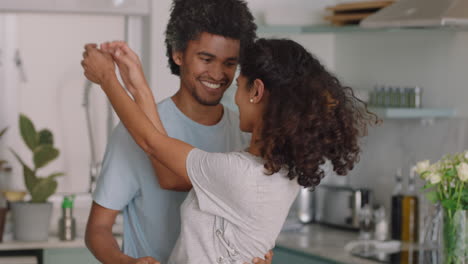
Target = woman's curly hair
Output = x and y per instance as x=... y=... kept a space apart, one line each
x=310 y=117
x=189 y=18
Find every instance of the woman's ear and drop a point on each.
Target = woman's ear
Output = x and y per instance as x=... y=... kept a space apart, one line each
x=177 y=57
x=258 y=91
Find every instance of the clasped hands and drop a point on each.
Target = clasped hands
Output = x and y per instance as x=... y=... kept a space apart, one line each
x=99 y=64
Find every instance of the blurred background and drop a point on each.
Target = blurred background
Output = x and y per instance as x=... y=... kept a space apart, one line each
x=41 y=44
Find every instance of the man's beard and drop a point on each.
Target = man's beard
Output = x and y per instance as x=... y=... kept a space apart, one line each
x=204 y=102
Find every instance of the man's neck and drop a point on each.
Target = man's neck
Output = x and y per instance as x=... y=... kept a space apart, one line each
x=202 y=114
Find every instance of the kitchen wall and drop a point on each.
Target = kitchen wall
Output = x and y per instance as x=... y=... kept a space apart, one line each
x=165 y=84
x=50 y=46
x=434 y=60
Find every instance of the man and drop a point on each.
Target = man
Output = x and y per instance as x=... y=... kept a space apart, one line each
x=203 y=39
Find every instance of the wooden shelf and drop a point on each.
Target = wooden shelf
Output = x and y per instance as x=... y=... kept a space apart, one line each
x=413 y=113
x=330 y=29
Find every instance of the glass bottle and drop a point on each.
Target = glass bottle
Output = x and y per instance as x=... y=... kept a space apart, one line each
x=410 y=212
x=388 y=97
x=366 y=222
x=411 y=97
x=381 y=224
x=417 y=97
x=396 y=101
x=380 y=97
x=373 y=96
x=67 y=223
x=396 y=211
x=404 y=98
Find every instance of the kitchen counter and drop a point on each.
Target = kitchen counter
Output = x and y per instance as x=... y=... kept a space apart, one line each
x=320 y=242
x=52 y=251
x=53 y=243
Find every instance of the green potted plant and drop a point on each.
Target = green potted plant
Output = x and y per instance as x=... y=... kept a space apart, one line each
x=31 y=219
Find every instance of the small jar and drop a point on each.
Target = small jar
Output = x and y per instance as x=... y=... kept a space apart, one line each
x=381 y=224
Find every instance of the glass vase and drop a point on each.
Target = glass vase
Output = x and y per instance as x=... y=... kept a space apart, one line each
x=454 y=248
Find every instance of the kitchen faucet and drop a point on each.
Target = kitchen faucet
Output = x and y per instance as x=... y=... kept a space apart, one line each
x=95 y=164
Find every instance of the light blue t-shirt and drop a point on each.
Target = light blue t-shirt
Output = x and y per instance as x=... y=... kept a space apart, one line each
x=128 y=183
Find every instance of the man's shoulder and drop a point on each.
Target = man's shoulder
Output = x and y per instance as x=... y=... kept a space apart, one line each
x=231 y=117
x=233 y=121
x=166 y=105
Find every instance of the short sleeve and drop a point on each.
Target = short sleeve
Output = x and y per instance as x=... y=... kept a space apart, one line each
x=221 y=184
x=118 y=183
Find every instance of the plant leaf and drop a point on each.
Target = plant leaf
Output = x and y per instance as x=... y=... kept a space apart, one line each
x=43 y=190
x=46 y=137
x=44 y=154
x=449 y=204
x=432 y=196
x=28 y=132
x=428 y=186
x=464 y=195
x=450 y=173
x=55 y=175
x=30 y=179
x=17 y=157
x=3 y=131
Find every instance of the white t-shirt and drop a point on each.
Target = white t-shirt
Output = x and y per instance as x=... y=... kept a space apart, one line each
x=234 y=211
x=127 y=181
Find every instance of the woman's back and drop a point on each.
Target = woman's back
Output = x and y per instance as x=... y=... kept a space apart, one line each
x=234 y=212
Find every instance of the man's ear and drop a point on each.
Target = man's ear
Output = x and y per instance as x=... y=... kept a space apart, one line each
x=177 y=57
x=258 y=91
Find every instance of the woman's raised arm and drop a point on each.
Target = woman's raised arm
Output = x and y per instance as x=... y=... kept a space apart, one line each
x=172 y=153
x=131 y=71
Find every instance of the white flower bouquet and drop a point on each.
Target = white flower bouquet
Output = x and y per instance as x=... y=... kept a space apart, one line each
x=447 y=180
x=447 y=184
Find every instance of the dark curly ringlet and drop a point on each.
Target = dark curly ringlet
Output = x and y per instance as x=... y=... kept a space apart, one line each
x=189 y=18
x=310 y=117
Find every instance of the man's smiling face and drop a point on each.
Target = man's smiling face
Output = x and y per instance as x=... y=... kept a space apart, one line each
x=208 y=66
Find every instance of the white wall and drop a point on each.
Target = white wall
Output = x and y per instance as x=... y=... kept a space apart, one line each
x=435 y=60
x=164 y=84
x=51 y=46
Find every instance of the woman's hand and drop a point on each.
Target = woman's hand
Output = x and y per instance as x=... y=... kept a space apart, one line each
x=97 y=65
x=129 y=65
x=144 y=260
x=268 y=259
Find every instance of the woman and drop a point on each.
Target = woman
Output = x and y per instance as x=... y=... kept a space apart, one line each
x=299 y=116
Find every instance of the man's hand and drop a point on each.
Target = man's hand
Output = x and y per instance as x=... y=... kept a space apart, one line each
x=267 y=260
x=145 y=260
x=97 y=64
